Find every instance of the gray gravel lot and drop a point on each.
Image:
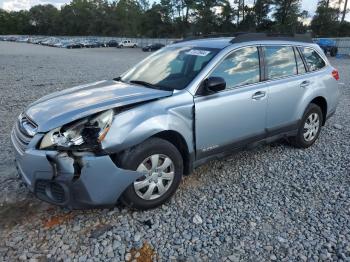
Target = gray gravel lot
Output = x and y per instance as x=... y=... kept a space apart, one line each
x=271 y=203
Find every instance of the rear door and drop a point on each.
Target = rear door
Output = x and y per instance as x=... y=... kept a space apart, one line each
x=235 y=116
x=285 y=75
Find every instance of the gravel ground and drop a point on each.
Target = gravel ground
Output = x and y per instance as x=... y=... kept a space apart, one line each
x=271 y=203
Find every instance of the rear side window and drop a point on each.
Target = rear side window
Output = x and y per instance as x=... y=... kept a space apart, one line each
x=242 y=67
x=313 y=59
x=280 y=61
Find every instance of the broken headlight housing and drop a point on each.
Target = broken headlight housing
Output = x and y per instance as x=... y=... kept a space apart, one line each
x=87 y=133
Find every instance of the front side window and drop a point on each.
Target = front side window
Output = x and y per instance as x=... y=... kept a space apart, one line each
x=313 y=59
x=242 y=67
x=171 y=68
x=280 y=61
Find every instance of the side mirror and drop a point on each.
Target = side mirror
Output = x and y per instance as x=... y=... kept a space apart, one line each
x=214 y=84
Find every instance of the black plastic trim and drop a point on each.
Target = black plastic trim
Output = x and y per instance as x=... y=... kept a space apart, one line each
x=268 y=136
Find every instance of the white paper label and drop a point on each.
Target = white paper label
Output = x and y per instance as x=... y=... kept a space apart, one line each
x=198 y=52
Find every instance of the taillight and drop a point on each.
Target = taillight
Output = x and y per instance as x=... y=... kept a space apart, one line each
x=335 y=74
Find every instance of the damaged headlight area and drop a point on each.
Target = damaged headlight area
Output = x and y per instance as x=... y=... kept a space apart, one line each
x=84 y=134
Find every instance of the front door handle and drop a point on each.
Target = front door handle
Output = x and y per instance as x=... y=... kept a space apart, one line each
x=259 y=95
x=305 y=83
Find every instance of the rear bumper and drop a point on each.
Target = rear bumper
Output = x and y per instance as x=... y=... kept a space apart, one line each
x=74 y=181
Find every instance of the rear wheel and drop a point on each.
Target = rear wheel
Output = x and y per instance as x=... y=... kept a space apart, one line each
x=162 y=168
x=309 y=128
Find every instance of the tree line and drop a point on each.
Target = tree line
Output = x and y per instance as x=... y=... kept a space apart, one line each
x=176 y=18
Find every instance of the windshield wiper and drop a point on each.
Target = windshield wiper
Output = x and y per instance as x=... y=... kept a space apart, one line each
x=144 y=83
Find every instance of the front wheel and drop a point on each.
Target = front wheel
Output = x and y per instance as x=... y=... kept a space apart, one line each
x=309 y=128
x=162 y=167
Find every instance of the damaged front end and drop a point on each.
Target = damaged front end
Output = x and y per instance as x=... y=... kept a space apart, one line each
x=67 y=166
x=83 y=180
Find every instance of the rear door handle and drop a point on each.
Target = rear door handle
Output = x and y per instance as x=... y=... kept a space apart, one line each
x=305 y=83
x=259 y=95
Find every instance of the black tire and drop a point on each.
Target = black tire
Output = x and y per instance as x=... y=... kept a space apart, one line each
x=334 y=51
x=132 y=158
x=299 y=140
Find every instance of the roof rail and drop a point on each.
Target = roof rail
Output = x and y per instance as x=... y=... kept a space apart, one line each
x=245 y=37
x=213 y=35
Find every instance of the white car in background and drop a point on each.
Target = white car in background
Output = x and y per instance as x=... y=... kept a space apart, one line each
x=127 y=43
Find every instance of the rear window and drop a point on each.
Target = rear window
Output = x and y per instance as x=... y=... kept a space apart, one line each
x=280 y=61
x=312 y=58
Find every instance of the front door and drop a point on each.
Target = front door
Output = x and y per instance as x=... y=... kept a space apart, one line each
x=237 y=115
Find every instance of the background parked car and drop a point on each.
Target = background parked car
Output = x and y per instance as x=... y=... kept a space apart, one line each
x=127 y=43
x=50 y=41
x=112 y=43
x=328 y=46
x=152 y=47
x=72 y=45
x=23 y=39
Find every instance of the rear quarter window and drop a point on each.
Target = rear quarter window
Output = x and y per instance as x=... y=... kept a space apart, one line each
x=313 y=60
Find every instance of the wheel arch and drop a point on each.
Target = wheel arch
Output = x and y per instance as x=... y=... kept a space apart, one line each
x=322 y=103
x=180 y=143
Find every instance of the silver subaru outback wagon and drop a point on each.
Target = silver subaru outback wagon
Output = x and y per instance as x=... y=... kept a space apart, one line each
x=132 y=139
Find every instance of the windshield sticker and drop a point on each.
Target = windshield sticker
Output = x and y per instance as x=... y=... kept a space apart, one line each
x=198 y=52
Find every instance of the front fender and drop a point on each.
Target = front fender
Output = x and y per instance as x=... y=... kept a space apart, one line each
x=137 y=124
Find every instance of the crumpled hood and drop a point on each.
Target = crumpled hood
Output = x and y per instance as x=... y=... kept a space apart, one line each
x=65 y=106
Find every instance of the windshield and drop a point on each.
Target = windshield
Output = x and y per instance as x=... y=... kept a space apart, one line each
x=170 y=68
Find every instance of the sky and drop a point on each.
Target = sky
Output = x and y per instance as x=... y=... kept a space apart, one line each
x=15 y=5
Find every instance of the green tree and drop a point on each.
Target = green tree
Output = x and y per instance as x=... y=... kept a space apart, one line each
x=248 y=24
x=287 y=14
x=76 y=17
x=325 y=21
x=205 y=15
x=156 y=23
x=129 y=15
x=226 y=17
x=345 y=10
x=44 y=19
x=262 y=9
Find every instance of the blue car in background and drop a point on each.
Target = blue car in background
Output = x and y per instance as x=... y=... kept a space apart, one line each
x=328 y=46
